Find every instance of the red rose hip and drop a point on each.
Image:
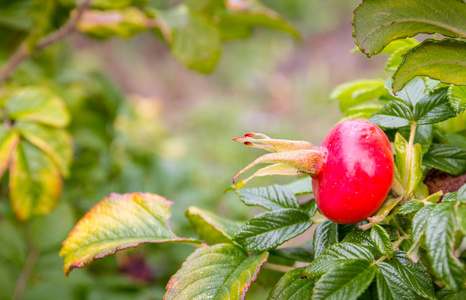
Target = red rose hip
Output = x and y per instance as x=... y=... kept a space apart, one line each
x=352 y=172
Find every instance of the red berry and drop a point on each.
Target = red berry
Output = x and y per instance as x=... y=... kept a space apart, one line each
x=352 y=171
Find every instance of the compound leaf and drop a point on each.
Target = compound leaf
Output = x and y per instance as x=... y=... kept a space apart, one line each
x=447 y=158
x=326 y=234
x=223 y=271
x=381 y=239
x=116 y=223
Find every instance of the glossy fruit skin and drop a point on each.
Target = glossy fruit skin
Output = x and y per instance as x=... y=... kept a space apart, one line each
x=358 y=172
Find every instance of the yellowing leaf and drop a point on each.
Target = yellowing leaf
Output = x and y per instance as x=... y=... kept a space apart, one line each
x=116 y=223
x=55 y=142
x=35 y=182
x=38 y=105
x=8 y=141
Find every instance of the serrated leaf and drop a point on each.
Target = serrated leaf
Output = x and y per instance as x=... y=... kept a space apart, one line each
x=195 y=42
x=356 y=92
x=116 y=223
x=211 y=228
x=362 y=238
x=440 y=231
x=377 y=23
x=347 y=281
x=443 y=60
x=461 y=215
x=326 y=234
x=433 y=108
x=409 y=170
x=56 y=143
x=35 y=182
x=270 y=229
x=382 y=240
x=334 y=256
x=394 y=114
x=271 y=197
x=390 y=284
x=222 y=271
x=418 y=229
x=8 y=141
x=301 y=186
x=414 y=275
x=409 y=207
x=414 y=91
x=449 y=295
x=292 y=286
x=457 y=97
x=38 y=105
x=447 y=158
x=450 y=197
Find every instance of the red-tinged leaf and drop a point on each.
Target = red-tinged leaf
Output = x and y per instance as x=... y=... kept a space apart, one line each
x=8 y=141
x=35 y=182
x=116 y=223
x=223 y=271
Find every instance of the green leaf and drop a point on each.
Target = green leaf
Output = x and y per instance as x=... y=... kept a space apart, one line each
x=211 y=228
x=8 y=141
x=457 y=97
x=449 y=295
x=195 y=42
x=410 y=172
x=56 y=143
x=292 y=287
x=16 y=252
x=409 y=207
x=35 y=182
x=447 y=158
x=378 y=22
x=271 y=197
x=461 y=214
x=336 y=255
x=326 y=234
x=394 y=114
x=418 y=229
x=347 y=281
x=443 y=60
x=433 y=108
x=440 y=231
x=270 y=229
x=222 y=271
x=450 y=197
x=38 y=105
x=414 y=91
x=391 y=285
x=362 y=238
x=116 y=223
x=356 y=92
x=382 y=240
x=414 y=275
x=301 y=186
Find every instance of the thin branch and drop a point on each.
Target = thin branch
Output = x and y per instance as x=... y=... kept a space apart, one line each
x=22 y=53
x=25 y=274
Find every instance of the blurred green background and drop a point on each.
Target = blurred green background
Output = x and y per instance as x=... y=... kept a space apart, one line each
x=145 y=123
